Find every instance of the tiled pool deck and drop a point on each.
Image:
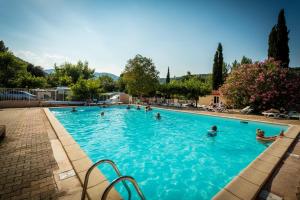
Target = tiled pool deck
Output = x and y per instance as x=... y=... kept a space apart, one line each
x=26 y=159
x=30 y=168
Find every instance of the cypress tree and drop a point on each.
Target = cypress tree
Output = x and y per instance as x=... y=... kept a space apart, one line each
x=217 y=76
x=168 y=76
x=215 y=72
x=3 y=48
x=220 y=64
x=283 y=40
x=279 y=41
x=272 y=51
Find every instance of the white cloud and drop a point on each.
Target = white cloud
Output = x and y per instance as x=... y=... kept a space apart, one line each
x=45 y=60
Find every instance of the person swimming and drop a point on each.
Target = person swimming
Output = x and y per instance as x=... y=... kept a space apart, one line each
x=158 y=116
x=148 y=108
x=128 y=107
x=102 y=114
x=73 y=109
x=213 y=131
x=138 y=107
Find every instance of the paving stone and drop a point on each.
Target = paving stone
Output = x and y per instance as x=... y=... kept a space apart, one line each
x=26 y=162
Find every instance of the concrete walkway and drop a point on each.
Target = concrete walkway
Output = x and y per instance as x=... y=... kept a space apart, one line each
x=26 y=158
x=285 y=181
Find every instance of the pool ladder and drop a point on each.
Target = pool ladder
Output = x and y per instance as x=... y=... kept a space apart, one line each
x=111 y=185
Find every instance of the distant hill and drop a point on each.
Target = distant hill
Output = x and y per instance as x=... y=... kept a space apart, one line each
x=48 y=71
x=163 y=80
x=97 y=74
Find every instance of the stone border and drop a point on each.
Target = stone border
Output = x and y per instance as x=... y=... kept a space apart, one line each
x=248 y=183
x=80 y=161
x=198 y=112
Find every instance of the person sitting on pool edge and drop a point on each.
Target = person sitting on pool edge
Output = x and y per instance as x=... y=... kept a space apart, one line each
x=158 y=116
x=260 y=135
x=213 y=131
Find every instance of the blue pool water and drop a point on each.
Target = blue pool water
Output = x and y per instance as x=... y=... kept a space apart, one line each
x=171 y=158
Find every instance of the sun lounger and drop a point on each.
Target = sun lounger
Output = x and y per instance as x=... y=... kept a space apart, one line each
x=270 y=114
x=247 y=110
x=294 y=114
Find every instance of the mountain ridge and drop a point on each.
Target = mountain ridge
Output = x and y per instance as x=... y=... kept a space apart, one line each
x=97 y=74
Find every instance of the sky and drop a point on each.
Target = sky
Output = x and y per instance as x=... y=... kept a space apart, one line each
x=182 y=35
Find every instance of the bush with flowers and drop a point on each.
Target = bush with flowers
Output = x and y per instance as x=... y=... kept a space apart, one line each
x=263 y=85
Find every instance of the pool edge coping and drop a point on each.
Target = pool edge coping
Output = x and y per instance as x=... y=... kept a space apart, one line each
x=80 y=161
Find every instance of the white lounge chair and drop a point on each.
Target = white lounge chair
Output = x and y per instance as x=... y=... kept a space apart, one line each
x=271 y=113
x=294 y=114
x=247 y=110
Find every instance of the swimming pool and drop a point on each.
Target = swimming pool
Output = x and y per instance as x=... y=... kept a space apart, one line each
x=171 y=158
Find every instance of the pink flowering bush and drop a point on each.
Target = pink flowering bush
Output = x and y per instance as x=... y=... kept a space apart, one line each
x=262 y=85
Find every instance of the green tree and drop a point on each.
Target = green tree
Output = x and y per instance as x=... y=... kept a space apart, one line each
x=168 y=76
x=279 y=41
x=120 y=84
x=68 y=73
x=36 y=71
x=235 y=65
x=87 y=73
x=195 y=88
x=186 y=88
x=225 y=69
x=283 y=40
x=3 y=48
x=217 y=79
x=140 y=76
x=10 y=68
x=27 y=80
x=85 y=89
x=107 y=84
x=273 y=43
x=246 y=60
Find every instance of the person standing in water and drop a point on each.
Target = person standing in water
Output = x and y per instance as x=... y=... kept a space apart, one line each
x=158 y=116
x=213 y=131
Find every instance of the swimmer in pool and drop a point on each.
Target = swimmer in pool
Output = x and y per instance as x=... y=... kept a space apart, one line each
x=102 y=114
x=213 y=131
x=73 y=109
x=260 y=135
x=158 y=116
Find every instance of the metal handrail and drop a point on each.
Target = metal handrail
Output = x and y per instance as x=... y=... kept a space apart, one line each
x=86 y=179
x=122 y=178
